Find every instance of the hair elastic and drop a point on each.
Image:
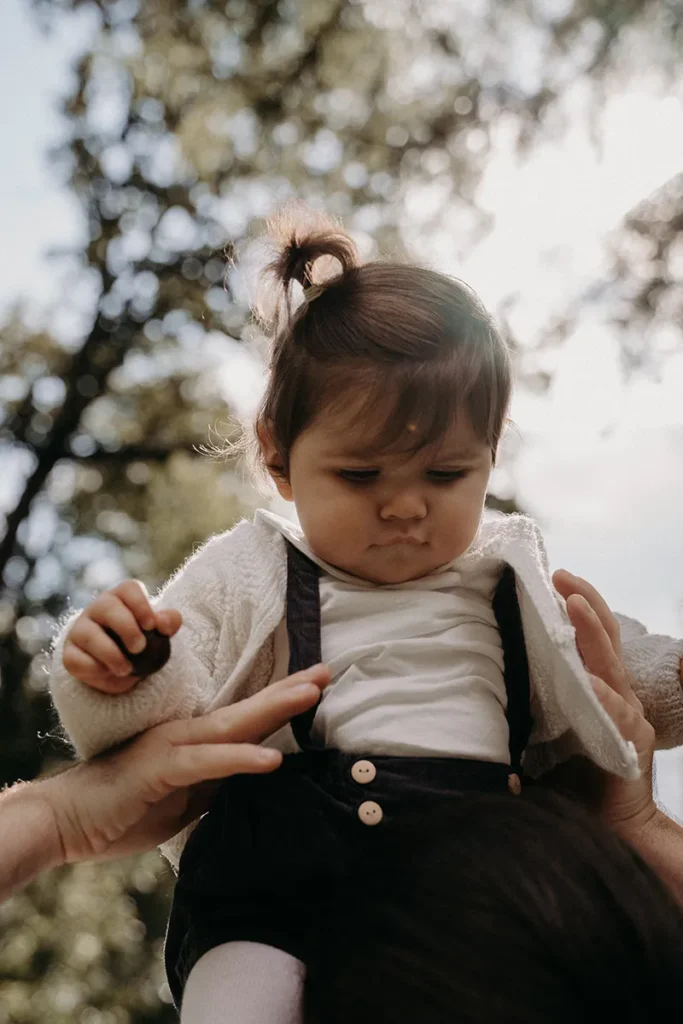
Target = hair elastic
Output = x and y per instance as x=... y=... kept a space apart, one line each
x=312 y=292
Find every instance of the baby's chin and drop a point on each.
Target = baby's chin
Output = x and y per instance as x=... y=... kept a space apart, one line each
x=369 y=571
x=396 y=567
x=393 y=564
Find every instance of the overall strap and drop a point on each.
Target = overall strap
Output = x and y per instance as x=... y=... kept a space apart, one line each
x=304 y=635
x=517 y=685
x=303 y=628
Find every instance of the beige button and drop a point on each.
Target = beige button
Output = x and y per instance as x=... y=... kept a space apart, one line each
x=370 y=813
x=363 y=772
x=514 y=784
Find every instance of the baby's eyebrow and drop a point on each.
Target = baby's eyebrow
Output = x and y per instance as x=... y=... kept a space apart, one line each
x=461 y=454
x=353 y=451
x=364 y=453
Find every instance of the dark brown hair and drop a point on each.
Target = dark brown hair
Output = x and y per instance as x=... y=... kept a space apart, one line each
x=497 y=910
x=416 y=347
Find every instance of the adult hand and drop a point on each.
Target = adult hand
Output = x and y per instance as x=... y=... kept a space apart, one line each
x=139 y=795
x=628 y=805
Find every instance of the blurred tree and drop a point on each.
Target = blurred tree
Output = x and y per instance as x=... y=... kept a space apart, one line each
x=646 y=285
x=641 y=293
x=189 y=120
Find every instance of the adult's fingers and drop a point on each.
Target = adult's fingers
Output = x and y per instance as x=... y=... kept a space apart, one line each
x=567 y=584
x=254 y=719
x=595 y=646
x=628 y=719
x=188 y=765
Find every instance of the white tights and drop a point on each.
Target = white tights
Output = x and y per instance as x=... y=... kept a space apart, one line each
x=244 y=983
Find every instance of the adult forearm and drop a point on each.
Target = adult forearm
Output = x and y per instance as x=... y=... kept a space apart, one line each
x=29 y=839
x=660 y=843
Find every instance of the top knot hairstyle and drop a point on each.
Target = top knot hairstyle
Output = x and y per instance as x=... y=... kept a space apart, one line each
x=416 y=348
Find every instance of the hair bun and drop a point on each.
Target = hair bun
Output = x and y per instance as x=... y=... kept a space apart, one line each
x=304 y=237
x=310 y=248
x=296 y=261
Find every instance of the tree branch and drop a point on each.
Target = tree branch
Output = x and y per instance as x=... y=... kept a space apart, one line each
x=102 y=350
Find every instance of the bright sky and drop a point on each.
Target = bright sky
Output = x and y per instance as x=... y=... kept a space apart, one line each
x=601 y=461
x=34 y=215
x=600 y=464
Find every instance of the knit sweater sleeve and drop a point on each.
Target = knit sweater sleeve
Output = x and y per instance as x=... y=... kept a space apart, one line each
x=655 y=664
x=95 y=721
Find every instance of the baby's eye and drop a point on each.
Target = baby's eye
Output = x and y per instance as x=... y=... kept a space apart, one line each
x=359 y=476
x=446 y=476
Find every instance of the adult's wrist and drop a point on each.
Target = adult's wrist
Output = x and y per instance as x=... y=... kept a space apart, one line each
x=30 y=837
x=659 y=841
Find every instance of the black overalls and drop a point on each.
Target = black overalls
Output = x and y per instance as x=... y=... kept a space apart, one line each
x=261 y=863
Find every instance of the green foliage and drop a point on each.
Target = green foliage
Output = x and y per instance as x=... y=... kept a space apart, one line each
x=84 y=945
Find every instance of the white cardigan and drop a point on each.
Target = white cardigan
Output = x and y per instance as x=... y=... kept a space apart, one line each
x=231 y=594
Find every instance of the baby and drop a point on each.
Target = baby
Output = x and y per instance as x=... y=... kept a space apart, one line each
x=453 y=664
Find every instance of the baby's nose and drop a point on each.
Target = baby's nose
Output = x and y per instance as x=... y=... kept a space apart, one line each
x=408 y=504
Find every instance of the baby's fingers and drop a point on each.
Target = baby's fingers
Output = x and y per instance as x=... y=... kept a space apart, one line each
x=133 y=595
x=89 y=637
x=126 y=611
x=91 y=672
x=81 y=666
x=169 y=621
x=110 y=612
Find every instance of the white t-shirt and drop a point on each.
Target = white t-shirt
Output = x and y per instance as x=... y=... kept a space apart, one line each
x=417 y=667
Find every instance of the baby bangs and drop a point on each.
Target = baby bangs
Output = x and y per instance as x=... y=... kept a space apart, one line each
x=409 y=348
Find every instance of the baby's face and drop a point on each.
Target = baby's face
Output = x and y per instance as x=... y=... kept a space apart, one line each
x=386 y=517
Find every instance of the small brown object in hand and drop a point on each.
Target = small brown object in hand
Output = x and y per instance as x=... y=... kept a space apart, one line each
x=155 y=655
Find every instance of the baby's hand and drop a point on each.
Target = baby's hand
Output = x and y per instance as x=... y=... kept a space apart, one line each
x=107 y=648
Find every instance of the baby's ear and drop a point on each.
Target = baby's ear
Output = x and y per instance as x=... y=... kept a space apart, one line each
x=272 y=460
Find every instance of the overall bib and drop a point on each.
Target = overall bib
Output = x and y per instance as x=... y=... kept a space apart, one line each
x=262 y=863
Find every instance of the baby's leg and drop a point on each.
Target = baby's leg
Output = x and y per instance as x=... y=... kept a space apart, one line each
x=244 y=983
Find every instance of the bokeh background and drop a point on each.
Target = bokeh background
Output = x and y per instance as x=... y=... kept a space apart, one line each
x=533 y=147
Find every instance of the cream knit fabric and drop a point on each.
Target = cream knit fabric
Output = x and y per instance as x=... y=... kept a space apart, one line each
x=231 y=594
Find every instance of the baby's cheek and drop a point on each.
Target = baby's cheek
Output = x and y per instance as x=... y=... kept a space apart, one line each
x=461 y=523
x=347 y=525
x=332 y=527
